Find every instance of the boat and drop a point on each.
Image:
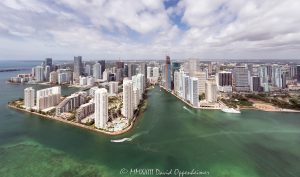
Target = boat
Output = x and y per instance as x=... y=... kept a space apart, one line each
x=121 y=140
x=231 y=110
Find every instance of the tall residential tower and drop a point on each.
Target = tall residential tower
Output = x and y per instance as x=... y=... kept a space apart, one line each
x=101 y=108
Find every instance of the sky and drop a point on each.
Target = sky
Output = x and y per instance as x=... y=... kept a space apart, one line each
x=149 y=29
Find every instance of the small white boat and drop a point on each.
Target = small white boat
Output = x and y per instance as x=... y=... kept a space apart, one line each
x=231 y=110
x=121 y=140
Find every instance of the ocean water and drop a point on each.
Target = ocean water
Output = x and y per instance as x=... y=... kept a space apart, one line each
x=169 y=135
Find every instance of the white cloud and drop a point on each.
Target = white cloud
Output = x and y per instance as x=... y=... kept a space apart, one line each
x=145 y=29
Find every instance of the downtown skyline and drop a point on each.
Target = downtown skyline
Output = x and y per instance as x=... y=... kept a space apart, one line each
x=149 y=29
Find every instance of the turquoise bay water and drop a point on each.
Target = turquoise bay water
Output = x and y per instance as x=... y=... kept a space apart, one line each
x=167 y=136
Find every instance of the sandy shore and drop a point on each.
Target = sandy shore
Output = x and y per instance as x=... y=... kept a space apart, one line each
x=256 y=106
x=271 y=108
x=79 y=124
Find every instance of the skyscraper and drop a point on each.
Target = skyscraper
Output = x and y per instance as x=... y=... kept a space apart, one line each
x=48 y=62
x=97 y=71
x=39 y=73
x=138 y=83
x=167 y=75
x=180 y=83
x=119 y=74
x=194 y=91
x=211 y=91
x=263 y=74
x=210 y=68
x=185 y=87
x=298 y=74
x=149 y=72
x=269 y=71
x=202 y=77
x=141 y=84
x=177 y=82
x=102 y=63
x=29 y=97
x=144 y=72
x=276 y=76
x=241 y=76
x=292 y=71
x=175 y=67
x=283 y=79
x=33 y=72
x=126 y=70
x=88 y=70
x=255 y=85
x=128 y=103
x=136 y=98
x=224 y=81
x=47 y=72
x=130 y=70
x=101 y=108
x=78 y=68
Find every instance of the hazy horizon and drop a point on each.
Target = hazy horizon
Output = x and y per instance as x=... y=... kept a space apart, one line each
x=162 y=59
x=132 y=30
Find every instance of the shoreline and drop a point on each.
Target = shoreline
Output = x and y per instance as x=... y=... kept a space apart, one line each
x=180 y=98
x=248 y=108
x=76 y=124
x=190 y=105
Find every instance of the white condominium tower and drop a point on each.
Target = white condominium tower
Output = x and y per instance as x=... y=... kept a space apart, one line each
x=138 y=83
x=101 y=108
x=194 y=91
x=211 y=91
x=177 y=82
x=149 y=72
x=263 y=74
x=128 y=99
x=88 y=70
x=29 y=97
x=141 y=85
x=277 y=76
x=39 y=74
x=185 y=87
x=202 y=77
x=97 y=71
x=48 y=97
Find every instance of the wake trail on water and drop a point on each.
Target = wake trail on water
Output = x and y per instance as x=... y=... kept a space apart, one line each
x=184 y=107
x=130 y=138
